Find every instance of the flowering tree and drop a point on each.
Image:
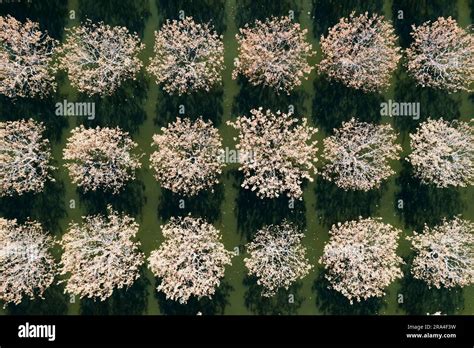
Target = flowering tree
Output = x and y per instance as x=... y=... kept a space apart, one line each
x=443 y=153
x=191 y=261
x=98 y=57
x=360 y=258
x=24 y=157
x=277 y=257
x=273 y=53
x=27 y=267
x=445 y=254
x=26 y=54
x=100 y=158
x=101 y=255
x=360 y=51
x=283 y=152
x=189 y=56
x=358 y=155
x=442 y=55
x=187 y=160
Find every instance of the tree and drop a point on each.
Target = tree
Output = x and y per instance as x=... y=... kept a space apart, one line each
x=100 y=158
x=187 y=160
x=26 y=54
x=191 y=261
x=277 y=257
x=281 y=152
x=360 y=258
x=360 y=52
x=27 y=267
x=445 y=254
x=24 y=157
x=442 y=55
x=273 y=53
x=442 y=153
x=189 y=56
x=101 y=254
x=98 y=57
x=358 y=155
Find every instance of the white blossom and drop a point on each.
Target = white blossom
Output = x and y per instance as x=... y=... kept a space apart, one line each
x=277 y=257
x=283 y=153
x=27 y=267
x=191 y=261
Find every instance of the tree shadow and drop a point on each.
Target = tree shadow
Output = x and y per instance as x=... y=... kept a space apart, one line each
x=51 y=15
x=334 y=204
x=202 y=11
x=418 y=12
x=47 y=207
x=131 y=14
x=284 y=302
x=330 y=301
x=205 y=204
x=192 y=106
x=126 y=301
x=41 y=110
x=250 y=10
x=253 y=212
x=129 y=200
x=419 y=299
x=335 y=103
x=471 y=5
x=54 y=303
x=205 y=306
x=433 y=103
x=252 y=97
x=123 y=109
x=327 y=13
x=424 y=203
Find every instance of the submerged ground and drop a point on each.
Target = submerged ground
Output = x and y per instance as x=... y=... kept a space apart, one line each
x=141 y=108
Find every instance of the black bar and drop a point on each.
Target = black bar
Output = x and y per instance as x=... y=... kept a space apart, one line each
x=288 y=330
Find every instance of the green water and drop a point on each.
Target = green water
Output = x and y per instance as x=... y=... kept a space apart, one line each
x=236 y=213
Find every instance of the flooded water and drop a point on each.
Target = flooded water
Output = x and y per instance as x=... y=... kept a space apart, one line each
x=141 y=108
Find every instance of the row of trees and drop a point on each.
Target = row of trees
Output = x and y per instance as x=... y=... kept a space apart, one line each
x=102 y=254
x=360 y=51
x=276 y=152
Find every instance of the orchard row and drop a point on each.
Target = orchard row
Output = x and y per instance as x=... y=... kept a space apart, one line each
x=360 y=51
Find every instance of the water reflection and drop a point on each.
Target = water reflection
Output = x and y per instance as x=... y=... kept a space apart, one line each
x=327 y=13
x=54 y=303
x=123 y=109
x=47 y=207
x=424 y=203
x=204 y=306
x=202 y=11
x=433 y=103
x=126 y=301
x=252 y=97
x=284 y=302
x=205 y=204
x=334 y=204
x=41 y=110
x=192 y=106
x=129 y=200
x=335 y=103
x=410 y=12
x=253 y=213
x=333 y=302
x=51 y=15
x=418 y=299
x=250 y=10
x=131 y=14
